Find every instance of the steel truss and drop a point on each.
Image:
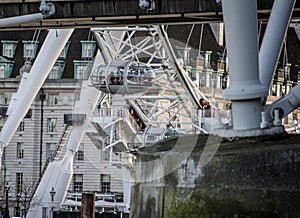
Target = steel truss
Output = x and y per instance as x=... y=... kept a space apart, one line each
x=165 y=103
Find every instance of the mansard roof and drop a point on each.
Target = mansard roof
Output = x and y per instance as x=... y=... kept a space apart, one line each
x=74 y=52
x=179 y=33
x=208 y=41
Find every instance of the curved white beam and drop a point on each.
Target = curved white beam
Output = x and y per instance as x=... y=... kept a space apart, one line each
x=273 y=39
x=33 y=81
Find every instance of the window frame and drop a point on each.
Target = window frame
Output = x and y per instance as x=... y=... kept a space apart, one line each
x=105 y=186
x=21 y=127
x=13 y=49
x=7 y=66
x=51 y=150
x=3 y=99
x=88 y=48
x=57 y=70
x=51 y=129
x=53 y=99
x=54 y=73
x=20 y=150
x=78 y=185
x=64 y=52
x=33 y=50
x=2 y=70
x=79 y=155
x=19 y=183
x=105 y=155
x=81 y=74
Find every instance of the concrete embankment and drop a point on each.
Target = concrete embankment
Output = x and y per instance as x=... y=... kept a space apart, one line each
x=250 y=177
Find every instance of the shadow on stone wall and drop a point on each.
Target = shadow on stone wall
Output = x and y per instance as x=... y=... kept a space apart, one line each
x=251 y=177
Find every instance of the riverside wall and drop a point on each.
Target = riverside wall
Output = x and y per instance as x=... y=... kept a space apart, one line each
x=249 y=177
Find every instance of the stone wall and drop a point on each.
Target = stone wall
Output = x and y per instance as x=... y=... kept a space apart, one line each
x=252 y=177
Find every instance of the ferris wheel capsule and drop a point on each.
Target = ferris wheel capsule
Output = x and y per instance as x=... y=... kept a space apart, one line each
x=122 y=77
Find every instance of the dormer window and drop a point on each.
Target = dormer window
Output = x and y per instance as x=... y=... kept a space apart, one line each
x=64 y=52
x=88 y=49
x=29 y=49
x=6 y=67
x=2 y=71
x=57 y=70
x=3 y=99
x=207 y=57
x=184 y=54
x=82 y=69
x=8 y=48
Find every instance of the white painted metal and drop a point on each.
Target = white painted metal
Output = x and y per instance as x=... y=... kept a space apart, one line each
x=151 y=97
x=264 y=121
x=148 y=104
x=245 y=89
x=112 y=39
x=245 y=121
x=127 y=183
x=286 y=104
x=242 y=47
x=186 y=82
x=123 y=29
x=139 y=111
x=59 y=174
x=273 y=39
x=277 y=119
x=46 y=9
x=54 y=43
x=199 y=119
x=15 y=21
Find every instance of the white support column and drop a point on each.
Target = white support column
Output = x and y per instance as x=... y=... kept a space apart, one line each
x=245 y=90
x=33 y=81
x=59 y=173
x=273 y=39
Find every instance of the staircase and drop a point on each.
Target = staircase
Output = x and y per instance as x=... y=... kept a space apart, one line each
x=62 y=141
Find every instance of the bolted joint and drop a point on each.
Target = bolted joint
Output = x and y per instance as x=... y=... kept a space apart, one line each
x=47 y=9
x=277 y=119
x=144 y=4
x=264 y=121
x=148 y=5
